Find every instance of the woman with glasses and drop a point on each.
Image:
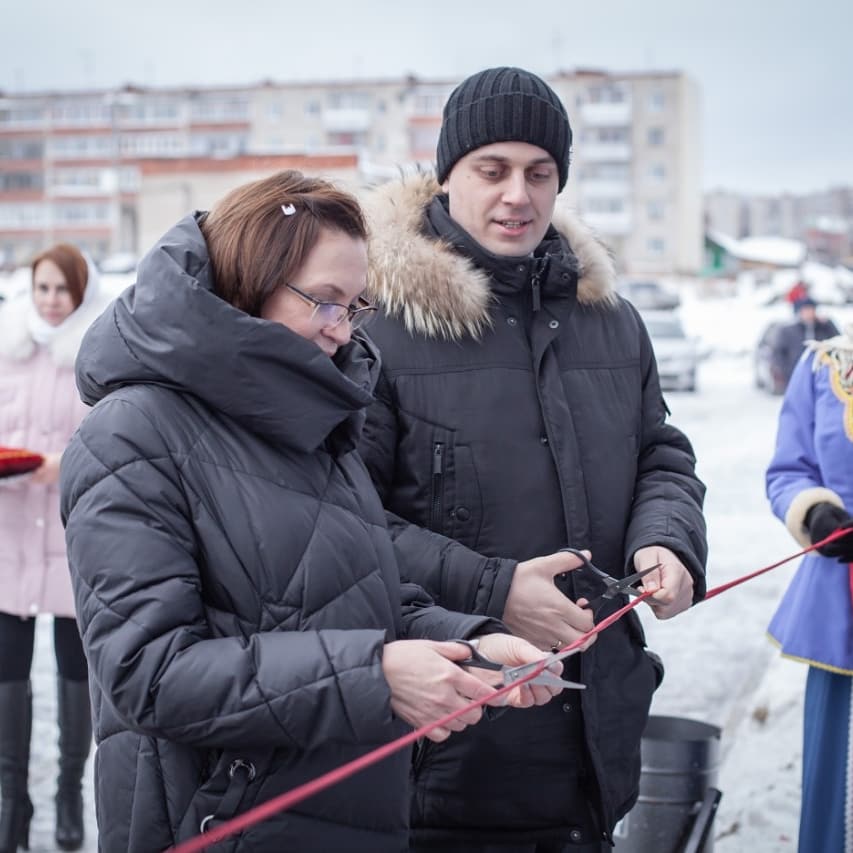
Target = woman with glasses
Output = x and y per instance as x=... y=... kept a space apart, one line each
x=236 y=587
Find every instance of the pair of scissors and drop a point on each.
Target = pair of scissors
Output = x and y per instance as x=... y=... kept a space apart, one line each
x=612 y=586
x=511 y=674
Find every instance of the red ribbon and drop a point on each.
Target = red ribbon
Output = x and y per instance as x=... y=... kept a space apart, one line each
x=302 y=792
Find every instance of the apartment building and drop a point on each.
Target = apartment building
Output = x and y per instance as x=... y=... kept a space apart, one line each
x=111 y=170
x=822 y=220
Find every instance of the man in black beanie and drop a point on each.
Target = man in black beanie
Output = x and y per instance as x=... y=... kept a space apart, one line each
x=518 y=412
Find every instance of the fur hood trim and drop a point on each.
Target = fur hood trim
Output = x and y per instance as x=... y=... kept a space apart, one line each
x=439 y=292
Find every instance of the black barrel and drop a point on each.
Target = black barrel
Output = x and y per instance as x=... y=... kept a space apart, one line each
x=678 y=796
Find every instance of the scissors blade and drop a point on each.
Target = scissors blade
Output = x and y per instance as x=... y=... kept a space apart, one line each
x=549 y=679
x=625 y=586
x=514 y=673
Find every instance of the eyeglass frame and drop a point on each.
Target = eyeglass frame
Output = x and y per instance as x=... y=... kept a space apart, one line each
x=366 y=310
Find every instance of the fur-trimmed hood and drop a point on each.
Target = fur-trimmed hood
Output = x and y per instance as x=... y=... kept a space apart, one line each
x=439 y=292
x=16 y=341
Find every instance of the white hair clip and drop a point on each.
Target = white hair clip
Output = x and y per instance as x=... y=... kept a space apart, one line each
x=288 y=209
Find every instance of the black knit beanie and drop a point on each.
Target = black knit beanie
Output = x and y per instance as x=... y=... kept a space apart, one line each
x=503 y=105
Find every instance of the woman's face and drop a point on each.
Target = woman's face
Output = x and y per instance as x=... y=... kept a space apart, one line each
x=51 y=295
x=334 y=271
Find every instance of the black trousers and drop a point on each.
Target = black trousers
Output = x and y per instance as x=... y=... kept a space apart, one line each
x=17 y=641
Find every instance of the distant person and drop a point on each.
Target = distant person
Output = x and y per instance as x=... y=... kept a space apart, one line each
x=789 y=341
x=519 y=411
x=237 y=589
x=40 y=332
x=810 y=486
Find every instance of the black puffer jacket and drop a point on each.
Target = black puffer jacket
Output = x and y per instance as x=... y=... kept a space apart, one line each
x=519 y=412
x=234 y=579
x=790 y=343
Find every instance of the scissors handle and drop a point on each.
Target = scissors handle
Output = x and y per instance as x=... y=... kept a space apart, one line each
x=478 y=660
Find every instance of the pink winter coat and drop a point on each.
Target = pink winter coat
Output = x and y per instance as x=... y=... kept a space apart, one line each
x=39 y=410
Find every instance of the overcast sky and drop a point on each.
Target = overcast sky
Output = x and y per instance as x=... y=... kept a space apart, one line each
x=775 y=75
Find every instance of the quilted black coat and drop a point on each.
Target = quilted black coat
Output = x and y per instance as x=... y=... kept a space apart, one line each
x=234 y=578
x=519 y=411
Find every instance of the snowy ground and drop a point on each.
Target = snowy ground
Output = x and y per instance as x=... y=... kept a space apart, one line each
x=721 y=669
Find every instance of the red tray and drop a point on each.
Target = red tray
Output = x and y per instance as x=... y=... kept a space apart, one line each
x=15 y=461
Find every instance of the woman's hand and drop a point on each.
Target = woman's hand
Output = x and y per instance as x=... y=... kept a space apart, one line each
x=513 y=651
x=48 y=472
x=426 y=684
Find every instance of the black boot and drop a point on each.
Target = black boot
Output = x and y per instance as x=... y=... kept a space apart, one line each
x=75 y=740
x=15 y=726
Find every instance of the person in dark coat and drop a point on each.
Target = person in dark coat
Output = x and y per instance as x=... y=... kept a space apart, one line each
x=236 y=587
x=519 y=412
x=791 y=338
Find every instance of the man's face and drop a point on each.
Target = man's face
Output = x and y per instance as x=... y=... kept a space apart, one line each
x=807 y=313
x=503 y=195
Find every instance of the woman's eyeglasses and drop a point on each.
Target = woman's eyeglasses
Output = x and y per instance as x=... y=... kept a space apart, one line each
x=332 y=314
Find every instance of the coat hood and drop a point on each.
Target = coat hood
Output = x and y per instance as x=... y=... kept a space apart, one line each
x=171 y=329
x=439 y=292
x=16 y=340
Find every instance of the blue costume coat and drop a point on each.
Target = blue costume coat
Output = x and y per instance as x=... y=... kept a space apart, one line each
x=813 y=462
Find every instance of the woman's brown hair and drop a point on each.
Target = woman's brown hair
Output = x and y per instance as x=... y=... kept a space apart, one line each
x=260 y=234
x=71 y=264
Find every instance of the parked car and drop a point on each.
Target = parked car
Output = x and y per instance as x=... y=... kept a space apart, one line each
x=766 y=370
x=677 y=355
x=648 y=295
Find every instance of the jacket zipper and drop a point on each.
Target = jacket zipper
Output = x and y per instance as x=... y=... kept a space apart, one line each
x=539 y=266
x=437 y=486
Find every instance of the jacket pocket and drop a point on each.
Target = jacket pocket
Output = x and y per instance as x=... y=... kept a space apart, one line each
x=456 y=506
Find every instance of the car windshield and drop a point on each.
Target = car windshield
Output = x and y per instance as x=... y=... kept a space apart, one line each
x=664 y=328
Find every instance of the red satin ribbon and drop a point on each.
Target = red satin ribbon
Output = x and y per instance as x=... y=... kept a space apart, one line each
x=296 y=795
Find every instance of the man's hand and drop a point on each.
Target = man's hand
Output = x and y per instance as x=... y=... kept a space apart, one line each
x=537 y=611
x=672 y=582
x=48 y=472
x=513 y=651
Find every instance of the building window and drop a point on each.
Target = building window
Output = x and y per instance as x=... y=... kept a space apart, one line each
x=655 y=210
x=605 y=172
x=347 y=138
x=655 y=246
x=657 y=101
x=606 y=93
x=604 y=205
x=422 y=140
x=12 y=181
x=312 y=107
x=275 y=110
x=349 y=100
x=655 y=136
x=657 y=172
x=429 y=102
x=606 y=134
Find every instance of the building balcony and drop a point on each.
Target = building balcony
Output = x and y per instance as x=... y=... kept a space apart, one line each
x=346 y=120
x=614 y=224
x=603 y=188
x=605 y=152
x=607 y=114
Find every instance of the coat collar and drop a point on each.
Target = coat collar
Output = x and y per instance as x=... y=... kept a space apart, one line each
x=439 y=292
